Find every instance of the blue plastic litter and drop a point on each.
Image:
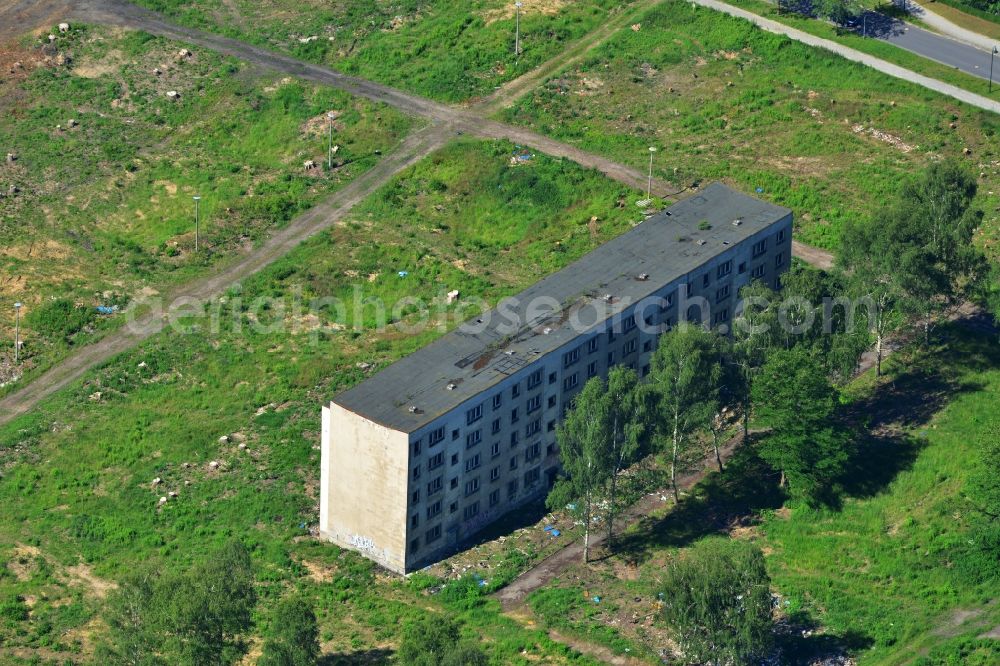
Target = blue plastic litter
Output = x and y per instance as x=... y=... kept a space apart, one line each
x=549 y=528
x=760 y=190
x=107 y=309
x=597 y=600
x=555 y=533
x=571 y=507
x=482 y=583
x=403 y=273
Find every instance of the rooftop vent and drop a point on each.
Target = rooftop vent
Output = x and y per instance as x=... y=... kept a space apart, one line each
x=737 y=222
x=643 y=277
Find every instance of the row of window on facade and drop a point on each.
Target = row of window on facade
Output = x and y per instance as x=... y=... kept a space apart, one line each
x=471 y=510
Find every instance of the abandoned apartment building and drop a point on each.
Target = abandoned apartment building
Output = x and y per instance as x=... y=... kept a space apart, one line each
x=422 y=455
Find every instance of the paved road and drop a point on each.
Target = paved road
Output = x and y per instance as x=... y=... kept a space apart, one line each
x=942 y=25
x=857 y=56
x=960 y=55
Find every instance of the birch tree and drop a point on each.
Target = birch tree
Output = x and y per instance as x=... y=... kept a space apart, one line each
x=628 y=404
x=583 y=438
x=686 y=372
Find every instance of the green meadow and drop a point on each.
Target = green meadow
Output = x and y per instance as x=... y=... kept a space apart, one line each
x=106 y=162
x=77 y=475
x=721 y=99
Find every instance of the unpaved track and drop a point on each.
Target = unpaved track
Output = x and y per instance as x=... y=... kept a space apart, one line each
x=417 y=146
x=544 y=572
x=446 y=122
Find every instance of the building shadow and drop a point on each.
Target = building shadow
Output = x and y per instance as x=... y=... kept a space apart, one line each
x=717 y=504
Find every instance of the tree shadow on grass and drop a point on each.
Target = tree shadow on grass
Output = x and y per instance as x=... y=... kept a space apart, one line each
x=360 y=658
x=797 y=643
x=719 y=502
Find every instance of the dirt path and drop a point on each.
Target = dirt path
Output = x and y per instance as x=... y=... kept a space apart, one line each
x=511 y=91
x=330 y=211
x=446 y=122
x=514 y=595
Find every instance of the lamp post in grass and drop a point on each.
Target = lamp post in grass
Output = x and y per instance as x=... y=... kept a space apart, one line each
x=17 y=332
x=649 y=181
x=197 y=222
x=517 y=28
x=329 y=141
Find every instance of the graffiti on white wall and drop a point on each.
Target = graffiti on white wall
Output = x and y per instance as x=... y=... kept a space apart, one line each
x=362 y=543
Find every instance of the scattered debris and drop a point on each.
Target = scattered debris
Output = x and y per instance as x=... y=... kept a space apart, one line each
x=214 y=464
x=403 y=274
x=241 y=446
x=72 y=122
x=636 y=27
x=163 y=500
x=306 y=40
x=309 y=165
x=224 y=439
x=157 y=481
x=11 y=157
x=157 y=71
x=184 y=53
x=173 y=94
x=452 y=296
x=64 y=27
x=172 y=493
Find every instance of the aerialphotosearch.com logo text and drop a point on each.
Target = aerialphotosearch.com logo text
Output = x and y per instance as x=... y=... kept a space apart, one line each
x=317 y=317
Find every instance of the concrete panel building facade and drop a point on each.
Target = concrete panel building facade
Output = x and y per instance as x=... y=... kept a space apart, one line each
x=421 y=456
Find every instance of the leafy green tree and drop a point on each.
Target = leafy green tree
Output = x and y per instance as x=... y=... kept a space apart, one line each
x=435 y=641
x=628 y=409
x=717 y=602
x=583 y=439
x=752 y=338
x=794 y=397
x=817 y=311
x=199 y=617
x=209 y=611
x=686 y=371
x=871 y=258
x=938 y=211
x=293 y=639
x=133 y=616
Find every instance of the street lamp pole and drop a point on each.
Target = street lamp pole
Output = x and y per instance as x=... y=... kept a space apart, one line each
x=197 y=223
x=329 y=145
x=992 y=55
x=517 y=28
x=649 y=181
x=17 y=333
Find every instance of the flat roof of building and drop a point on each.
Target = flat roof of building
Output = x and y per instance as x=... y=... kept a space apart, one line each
x=467 y=361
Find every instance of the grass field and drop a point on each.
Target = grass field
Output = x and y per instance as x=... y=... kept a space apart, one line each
x=724 y=100
x=76 y=476
x=451 y=51
x=884 y=577
x=105 y=165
